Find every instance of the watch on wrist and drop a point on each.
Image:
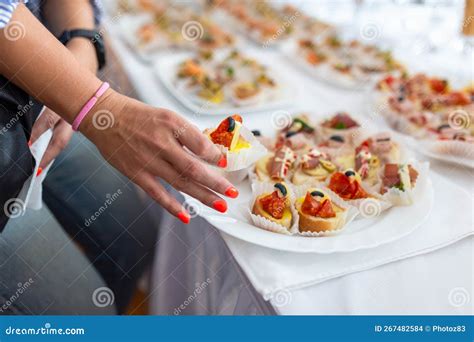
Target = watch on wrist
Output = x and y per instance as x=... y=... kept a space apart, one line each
x=94 y=36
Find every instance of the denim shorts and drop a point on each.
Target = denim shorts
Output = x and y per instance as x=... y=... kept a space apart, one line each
x=77 y=257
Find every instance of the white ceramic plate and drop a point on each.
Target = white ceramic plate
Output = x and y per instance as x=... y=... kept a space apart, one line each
x=325 y=74
x=426 y=147
x=362 y=233
x=166 y=68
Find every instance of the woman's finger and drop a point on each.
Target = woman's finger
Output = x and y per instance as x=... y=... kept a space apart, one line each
x=62 y=134
x=191 y=167
x=186 y=185
x=46 y=121
x=156 y=191
x=191 y=137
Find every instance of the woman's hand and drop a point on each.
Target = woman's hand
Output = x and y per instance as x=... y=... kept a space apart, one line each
x=144 y=143
x=62 y=133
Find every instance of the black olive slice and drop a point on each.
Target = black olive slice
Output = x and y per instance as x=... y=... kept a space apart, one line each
x=282 y=188
x=349 y=173
x=256 y=133
x=317 y=193
x=337 y=138
x=443 y=127
x=289 y=134
x=383 y=139
x=231 y=124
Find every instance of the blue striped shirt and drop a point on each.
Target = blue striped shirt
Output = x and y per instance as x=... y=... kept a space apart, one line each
x=7 y=7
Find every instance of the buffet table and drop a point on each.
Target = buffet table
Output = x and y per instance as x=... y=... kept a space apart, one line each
x=199 y=270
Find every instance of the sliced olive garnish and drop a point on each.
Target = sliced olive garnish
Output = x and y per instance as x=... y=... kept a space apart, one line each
x=231 y=121
x=317 y=193
x=337 y=138
x=443 y=127
x=282 y=188
x=256 y=133
x=383 y=139
x=349 y=173
x=290 y=134
x=401 y=98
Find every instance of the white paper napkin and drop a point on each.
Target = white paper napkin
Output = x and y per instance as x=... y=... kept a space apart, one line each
x=32 y=191
x=270 y=270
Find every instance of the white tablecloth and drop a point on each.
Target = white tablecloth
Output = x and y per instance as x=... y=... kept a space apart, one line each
x=440 y=282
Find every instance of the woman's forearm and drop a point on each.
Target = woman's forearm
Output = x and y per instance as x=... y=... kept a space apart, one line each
x=63 y=15
x=37 y=62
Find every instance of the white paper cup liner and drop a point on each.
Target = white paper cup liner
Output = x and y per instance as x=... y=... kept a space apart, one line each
x=401 y=198
x=349 y=214
x=261 y=222
x=234 y=177
x=245 y=157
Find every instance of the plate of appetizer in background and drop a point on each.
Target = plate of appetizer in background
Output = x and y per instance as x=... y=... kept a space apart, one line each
x=224 y=82
x=267 y=23
x=439 y=118
x=349 y=64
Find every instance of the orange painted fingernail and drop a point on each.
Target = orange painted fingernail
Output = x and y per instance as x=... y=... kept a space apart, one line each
x=184 y=217
x=222 y=162
x=30 y=143
x=40 y=170
x=232 y=192
x=220 y=205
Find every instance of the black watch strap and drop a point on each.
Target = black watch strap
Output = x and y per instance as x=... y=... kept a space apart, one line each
x=94 y=36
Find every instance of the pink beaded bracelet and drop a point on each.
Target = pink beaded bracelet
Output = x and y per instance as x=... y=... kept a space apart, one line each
x=88 y=106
